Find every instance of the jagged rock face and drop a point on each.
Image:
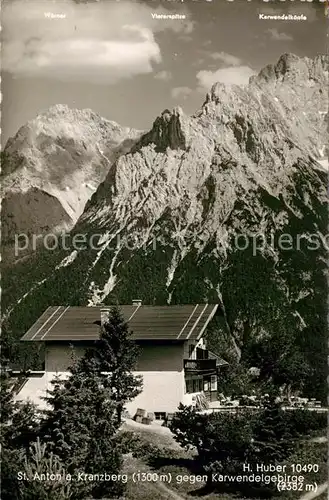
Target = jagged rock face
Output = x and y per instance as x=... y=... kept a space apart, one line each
x=194 y=212
x=300 y=87
x=169 y=131
x=293 y=69
x=53 y=166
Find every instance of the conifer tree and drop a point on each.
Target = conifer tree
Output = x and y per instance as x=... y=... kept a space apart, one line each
x=273 y=440
x=18 y=428
x=80 y=427
x=45 y=477
x=116 y=355
x=84 y=410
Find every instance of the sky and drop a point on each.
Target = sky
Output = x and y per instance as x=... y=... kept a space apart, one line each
x=117 y=58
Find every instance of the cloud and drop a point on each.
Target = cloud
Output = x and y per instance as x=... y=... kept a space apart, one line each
x=181 y=92
x=198 y=62
x=279 y=36
x=227 y=59
x=186 y=38
x=101 y=42
x=188 y=27
x=238 y=75
x=163 y=75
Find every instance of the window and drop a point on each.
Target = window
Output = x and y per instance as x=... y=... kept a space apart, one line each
x=206 y=385
x=160 y=415
x=189 y=386
x=213 y=383
x=197 y=385
x=191 y=348
x=201 y=353
x=194 y=384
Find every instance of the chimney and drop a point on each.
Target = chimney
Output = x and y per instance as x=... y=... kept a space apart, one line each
x=105 y=310
x=137 y=302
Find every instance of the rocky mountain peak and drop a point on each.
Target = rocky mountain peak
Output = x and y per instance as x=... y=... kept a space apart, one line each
x=293 y=69
x=289 y=95
x=289 y=63
x=170 y=129
x=223 y=100
x=218 y=92
x=59 y=159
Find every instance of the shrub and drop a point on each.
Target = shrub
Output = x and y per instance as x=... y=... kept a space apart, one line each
x=188 y=427
x=11 y=465
x=226 y=440
x=305 y=422
x=218 y=437
x=18 y=428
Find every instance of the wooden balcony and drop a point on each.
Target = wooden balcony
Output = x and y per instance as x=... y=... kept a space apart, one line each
x=199 y=365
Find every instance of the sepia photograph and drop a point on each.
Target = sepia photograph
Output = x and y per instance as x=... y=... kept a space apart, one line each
x=165 y=237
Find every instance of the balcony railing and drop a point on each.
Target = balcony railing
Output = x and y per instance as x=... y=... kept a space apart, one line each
x=199 y=365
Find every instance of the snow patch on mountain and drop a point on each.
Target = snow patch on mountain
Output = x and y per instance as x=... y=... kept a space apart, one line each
x=324 y=164
x=68 y=260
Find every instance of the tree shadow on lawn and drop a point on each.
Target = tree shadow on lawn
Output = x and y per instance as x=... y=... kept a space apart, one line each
x=191 y=464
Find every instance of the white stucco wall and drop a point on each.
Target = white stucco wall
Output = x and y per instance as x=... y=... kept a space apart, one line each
x=36 y=388
x=163 y=391
x=160 y=366
x=163 y=379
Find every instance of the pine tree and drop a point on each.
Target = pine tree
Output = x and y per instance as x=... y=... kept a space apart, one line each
x=84 y=410
x=75 y=406
x=273 y=440
x=80 y=426
x=59 y=486
x=116 y=355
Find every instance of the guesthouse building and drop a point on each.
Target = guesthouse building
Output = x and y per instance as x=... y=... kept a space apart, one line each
x=174 y=360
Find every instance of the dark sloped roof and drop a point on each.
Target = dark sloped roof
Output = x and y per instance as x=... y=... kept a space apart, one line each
x=176 y=322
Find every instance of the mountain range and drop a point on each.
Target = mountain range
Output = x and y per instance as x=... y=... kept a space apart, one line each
x=228 y=205
x=51 y=168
